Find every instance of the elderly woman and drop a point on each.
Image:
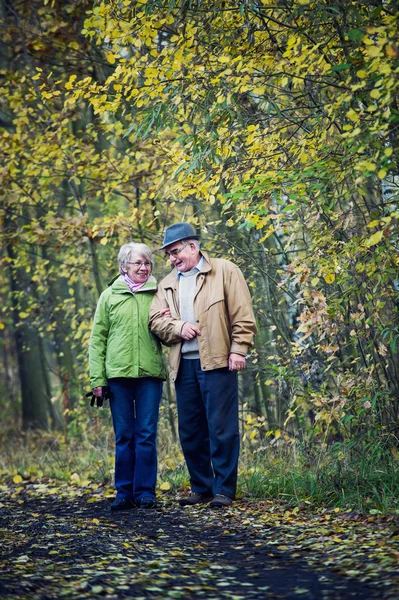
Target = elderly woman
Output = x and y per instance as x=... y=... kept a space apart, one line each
x=125 y=356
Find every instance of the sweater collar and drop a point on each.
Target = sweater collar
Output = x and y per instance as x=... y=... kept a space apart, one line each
x=197 y=269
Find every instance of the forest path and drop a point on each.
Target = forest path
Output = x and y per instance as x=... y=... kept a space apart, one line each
x=65 y=542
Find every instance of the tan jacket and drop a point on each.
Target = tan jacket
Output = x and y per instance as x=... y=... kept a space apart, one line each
x=222 y=309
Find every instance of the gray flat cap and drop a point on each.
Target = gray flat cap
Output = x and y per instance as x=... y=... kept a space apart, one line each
x=177 y=232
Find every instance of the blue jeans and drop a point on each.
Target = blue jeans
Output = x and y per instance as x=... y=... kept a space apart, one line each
x=135 y=407
x=207 y=406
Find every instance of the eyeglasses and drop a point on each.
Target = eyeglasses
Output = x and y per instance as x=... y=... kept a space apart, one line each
x=138 y=264
x=176 y=251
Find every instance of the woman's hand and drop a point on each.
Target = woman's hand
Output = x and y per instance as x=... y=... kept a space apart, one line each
x=98 y=392
x=165 y=312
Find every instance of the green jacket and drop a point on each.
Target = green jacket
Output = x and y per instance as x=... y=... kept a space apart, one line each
x=121 y=344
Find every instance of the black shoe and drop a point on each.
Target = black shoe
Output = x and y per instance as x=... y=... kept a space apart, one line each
x=147 y=502
x=221 y=501
x=193 y=499
x=122 y=504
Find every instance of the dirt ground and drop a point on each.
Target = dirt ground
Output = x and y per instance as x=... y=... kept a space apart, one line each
x=67 y=543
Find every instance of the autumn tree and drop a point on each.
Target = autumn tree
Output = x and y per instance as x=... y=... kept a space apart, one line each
x=284 y=118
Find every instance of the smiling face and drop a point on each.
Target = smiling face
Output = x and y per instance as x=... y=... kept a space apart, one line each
x=187 y=257
x=138 y=268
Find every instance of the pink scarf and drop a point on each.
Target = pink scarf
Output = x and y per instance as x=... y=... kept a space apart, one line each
x=133 y=287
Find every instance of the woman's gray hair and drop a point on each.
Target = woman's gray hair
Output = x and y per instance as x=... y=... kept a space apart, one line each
x=128 y=249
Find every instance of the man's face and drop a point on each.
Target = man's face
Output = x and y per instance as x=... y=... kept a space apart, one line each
x=186 y=258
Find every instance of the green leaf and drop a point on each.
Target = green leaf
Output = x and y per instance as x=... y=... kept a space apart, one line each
x=343 y=67
x=355 y=34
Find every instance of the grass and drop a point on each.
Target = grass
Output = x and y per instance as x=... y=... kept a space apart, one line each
x=356 y=484
x=370 y=484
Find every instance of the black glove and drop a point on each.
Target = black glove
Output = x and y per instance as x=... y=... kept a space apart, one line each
x=95 y=399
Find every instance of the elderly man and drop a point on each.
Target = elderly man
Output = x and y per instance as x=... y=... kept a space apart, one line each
x=203 y=311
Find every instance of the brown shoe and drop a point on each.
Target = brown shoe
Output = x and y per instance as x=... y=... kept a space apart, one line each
x=221 y=501
x=193 y=499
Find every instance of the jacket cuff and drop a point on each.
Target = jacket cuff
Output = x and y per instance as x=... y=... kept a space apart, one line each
x=179 y=327
x=239 y=349
x=98 y=383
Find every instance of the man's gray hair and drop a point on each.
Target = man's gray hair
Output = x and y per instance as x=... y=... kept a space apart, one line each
x=127 y=250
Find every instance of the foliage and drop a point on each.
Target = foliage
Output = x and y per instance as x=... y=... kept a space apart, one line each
x=284 y=120
x=274 y=130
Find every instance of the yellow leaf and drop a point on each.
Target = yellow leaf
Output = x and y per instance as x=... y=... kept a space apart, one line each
x=375 y=93
x=329 y=278
x=390 y=50
x=17 y=479
x=372 y=223
x=352 y=115
x=23 y=315
x=388 y=151
x=277 y=434
x=69 y=83
x=315 y=281
x=361 y=74
x=269 y=382
x=303 y=157
x=95 y=521
x=373 y=51
x=382 y=173
x=253 y=434
x=165 y=486
x=374 y=239
x=2 y=325
x=111 y=58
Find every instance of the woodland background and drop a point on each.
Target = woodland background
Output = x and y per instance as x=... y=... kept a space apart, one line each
x=272 y=127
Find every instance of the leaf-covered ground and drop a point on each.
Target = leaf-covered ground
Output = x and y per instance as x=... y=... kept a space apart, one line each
x=63 y=541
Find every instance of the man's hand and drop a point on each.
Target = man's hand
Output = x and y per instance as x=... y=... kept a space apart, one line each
x=236 y=362
x=98 y=392
x=189 y=331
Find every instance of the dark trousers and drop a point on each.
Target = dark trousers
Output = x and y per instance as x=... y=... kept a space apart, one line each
x=207 y=406
x=135 y=407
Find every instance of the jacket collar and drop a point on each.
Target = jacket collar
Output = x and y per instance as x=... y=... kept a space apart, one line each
x=119 y=286
x=171 y=280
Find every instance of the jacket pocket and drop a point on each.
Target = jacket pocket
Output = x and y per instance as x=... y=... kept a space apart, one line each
x=217 y=329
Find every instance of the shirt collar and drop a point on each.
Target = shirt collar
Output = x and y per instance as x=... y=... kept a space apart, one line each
x=198 y=267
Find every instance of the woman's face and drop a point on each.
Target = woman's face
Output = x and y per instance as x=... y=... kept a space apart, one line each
x=138 y=268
